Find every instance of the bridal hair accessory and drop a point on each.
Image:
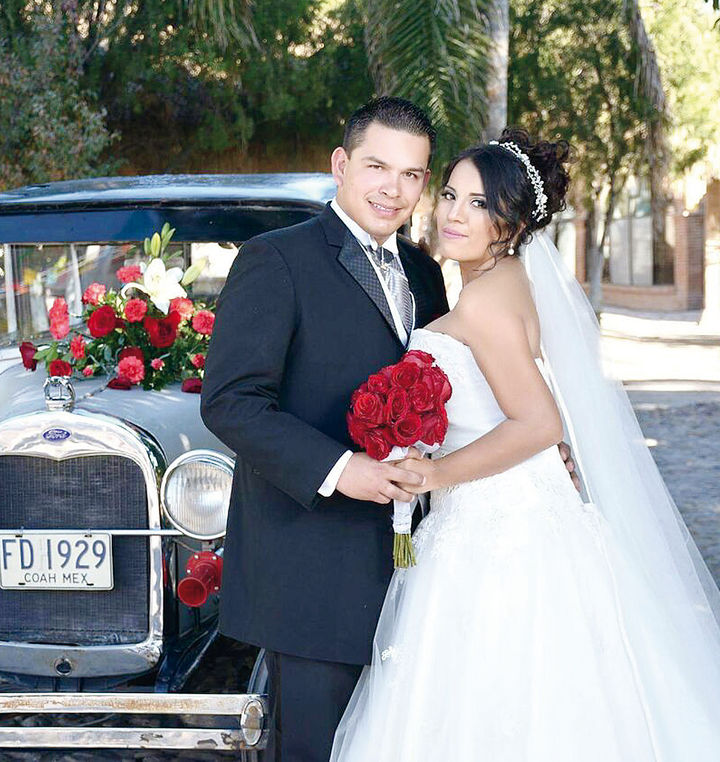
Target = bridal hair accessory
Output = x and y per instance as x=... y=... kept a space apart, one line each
x=399 y=407
x=541 y=198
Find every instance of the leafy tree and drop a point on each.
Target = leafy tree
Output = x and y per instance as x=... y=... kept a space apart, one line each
x=572 y=67
x=50 y=128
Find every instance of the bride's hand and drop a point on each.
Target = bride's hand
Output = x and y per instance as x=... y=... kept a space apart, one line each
x=425 y=468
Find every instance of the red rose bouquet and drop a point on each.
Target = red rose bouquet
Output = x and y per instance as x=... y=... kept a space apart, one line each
x=401 y=406
x=148 y=333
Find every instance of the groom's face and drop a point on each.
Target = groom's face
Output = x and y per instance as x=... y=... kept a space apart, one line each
x=381 y=180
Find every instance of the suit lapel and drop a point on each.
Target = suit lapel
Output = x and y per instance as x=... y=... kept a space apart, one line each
x=354 y=259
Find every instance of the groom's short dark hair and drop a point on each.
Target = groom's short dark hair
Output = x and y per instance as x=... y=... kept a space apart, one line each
x=397 y=113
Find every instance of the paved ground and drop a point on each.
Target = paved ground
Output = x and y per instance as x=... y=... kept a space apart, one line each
x=672 y=373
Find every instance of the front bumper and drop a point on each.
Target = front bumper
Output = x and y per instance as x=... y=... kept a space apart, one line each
x=245 y=729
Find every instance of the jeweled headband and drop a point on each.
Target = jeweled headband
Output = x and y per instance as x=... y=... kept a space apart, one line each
x=541 y=198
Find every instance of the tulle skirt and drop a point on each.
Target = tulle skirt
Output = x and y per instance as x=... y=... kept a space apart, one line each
x=526 y=634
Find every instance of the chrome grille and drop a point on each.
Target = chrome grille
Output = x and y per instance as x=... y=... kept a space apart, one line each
x=89 y=492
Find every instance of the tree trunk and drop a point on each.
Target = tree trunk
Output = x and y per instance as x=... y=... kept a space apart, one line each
x=497 y=87
x=594 y=258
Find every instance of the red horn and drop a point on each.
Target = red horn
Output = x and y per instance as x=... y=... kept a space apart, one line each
x=204 y=575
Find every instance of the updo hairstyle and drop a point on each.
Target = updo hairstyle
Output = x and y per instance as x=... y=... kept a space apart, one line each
x=509 y=194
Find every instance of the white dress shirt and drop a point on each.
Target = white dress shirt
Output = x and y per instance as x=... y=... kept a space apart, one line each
x=365 y=239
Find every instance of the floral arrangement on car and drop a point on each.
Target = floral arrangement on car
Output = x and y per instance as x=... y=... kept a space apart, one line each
x=146 y=334
x=401 y=406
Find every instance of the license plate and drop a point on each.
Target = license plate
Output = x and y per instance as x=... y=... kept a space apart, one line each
x=69 y=561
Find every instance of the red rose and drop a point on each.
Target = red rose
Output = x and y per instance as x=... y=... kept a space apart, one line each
x=119 y=383
x=183 y=306
x=434 y=428
x=378 y=383
x=59 y=319
x=441 y=384
x=77 y=347
x=203 y=322
x=368 y=407
x=405 y=374
x=132 y=369
x=135 y=310
x=27 y=352
x=102 y=321
x=407 y=430
x=397 y=405
x=131 y=352
x=198 y=360
x=376 y=445
x=162 y=332
x=423 y=359
x=360 y=390
x=421 y=397
x=192 y=385
x=93 y=293
x=357 y=430
x=129 y=274
x=60 y=368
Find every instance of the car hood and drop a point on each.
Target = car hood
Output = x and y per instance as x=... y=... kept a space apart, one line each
x=171 y=416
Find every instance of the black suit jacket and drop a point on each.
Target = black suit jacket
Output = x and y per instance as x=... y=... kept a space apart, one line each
x=301 y=322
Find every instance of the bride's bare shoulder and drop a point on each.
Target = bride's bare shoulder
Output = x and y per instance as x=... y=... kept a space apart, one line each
x=502 y=290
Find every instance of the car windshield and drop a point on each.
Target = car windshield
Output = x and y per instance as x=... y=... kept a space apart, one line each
x=32 y=276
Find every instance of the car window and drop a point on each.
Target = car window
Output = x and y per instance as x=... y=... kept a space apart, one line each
x=32 y=276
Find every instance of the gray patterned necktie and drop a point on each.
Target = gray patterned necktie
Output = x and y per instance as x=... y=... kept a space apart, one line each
x=397 y=283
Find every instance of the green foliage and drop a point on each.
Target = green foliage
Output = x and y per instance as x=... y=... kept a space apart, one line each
x=571 y=76
x=50 y=127
x=435 y=54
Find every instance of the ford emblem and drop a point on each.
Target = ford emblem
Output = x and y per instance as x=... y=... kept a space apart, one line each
x=56 y=435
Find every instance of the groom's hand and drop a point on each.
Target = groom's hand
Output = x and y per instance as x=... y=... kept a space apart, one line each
x=366 y=479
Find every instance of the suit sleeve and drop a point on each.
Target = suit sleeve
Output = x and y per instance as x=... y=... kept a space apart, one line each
x=254 y=325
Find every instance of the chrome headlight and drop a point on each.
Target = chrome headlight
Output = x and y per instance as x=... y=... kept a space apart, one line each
x=195 y=493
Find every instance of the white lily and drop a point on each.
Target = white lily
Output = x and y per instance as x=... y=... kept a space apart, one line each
x=159 y=284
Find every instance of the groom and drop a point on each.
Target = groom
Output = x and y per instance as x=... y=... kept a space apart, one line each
x=307 y=314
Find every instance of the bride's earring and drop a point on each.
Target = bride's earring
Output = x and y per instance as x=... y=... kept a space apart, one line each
x=511 y=251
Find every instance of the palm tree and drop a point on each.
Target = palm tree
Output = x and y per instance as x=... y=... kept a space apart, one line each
x=438 y=55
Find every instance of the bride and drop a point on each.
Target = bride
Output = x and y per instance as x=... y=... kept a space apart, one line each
x=539 y=625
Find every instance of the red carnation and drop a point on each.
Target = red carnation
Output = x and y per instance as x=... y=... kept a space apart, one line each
x=423 y=359
x=102 y=321
x=93 y=293
x=88 y=371
x=369 y=408
x=405 y=374
x=60 y=368
x=408 y=430
x=162 y=332
x=27 y=352
x=59 y=319
x=376 y=444
x=397 y=405
x=192 y=385
x=157 y=364
x=132 y=369
x=77 y=347
x=198 y=360
x=181 y=305
x=135 y=310
x=129 y=274
x=203 y=322
x=132 y=352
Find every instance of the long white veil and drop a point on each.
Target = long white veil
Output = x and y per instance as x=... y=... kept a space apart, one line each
x=616 y=467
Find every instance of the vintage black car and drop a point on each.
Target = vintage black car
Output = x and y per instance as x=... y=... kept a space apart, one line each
x=125 y=491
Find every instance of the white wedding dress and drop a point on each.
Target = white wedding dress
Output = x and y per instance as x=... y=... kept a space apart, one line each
x=526 y=633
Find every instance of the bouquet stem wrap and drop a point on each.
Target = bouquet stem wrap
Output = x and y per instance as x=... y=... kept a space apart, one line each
x=403 y=550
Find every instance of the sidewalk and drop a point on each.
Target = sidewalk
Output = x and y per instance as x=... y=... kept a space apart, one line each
x=675 y=354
